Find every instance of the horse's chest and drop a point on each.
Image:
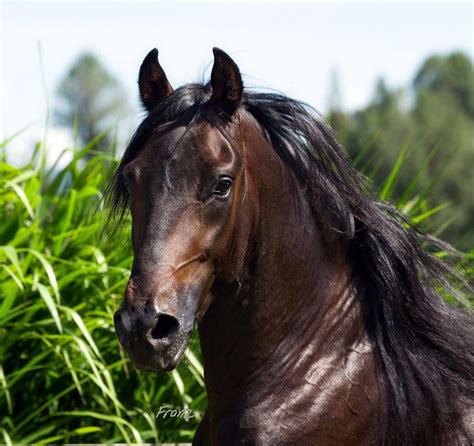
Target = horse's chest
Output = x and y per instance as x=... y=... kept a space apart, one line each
x=331 y=404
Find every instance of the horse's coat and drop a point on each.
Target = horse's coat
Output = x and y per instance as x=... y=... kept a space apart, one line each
x=318 y=313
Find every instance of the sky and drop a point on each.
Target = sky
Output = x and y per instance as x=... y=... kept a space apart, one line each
x=291 y=47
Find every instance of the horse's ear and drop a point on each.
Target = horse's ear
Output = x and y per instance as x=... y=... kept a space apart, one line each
x=152 y=81
x=226 y=82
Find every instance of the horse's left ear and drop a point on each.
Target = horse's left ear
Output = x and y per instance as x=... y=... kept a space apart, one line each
x=152 y=81
x=226 y=82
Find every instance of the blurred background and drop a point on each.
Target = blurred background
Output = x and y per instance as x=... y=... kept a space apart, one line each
x=395 y=81
x=385 y=75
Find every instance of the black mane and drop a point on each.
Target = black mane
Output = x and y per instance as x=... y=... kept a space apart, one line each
x=424 y=348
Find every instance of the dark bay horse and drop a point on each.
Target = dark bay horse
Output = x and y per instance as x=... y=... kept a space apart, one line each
x=319 y=307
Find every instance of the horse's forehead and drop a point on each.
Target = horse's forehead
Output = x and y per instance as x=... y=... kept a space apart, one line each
x=211 y=144
x=200 y=144
x=159 y=146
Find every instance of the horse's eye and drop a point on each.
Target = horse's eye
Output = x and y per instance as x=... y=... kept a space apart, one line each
x=222 y=188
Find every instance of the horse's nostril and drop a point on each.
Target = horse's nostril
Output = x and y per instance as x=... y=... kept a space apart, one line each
x=165 y=327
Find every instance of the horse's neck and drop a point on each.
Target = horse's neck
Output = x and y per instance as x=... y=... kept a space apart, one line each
x=293 y=331
x=294 y=308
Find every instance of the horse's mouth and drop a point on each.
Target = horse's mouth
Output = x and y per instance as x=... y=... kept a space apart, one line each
x=164 y=361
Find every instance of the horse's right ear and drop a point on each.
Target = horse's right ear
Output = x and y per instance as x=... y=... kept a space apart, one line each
x=152 y=81
x=226 y=82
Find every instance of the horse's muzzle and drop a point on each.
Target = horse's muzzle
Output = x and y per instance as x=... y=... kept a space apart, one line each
x=154 y=341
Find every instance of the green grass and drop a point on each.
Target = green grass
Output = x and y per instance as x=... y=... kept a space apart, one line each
x=63 y=376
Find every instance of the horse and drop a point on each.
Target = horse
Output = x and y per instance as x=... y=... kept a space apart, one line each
x=319 y=306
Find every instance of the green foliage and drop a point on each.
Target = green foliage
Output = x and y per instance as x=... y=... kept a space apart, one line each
x=451 y=75
x=63 y=376
x=92 y=97
x=438 y=128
